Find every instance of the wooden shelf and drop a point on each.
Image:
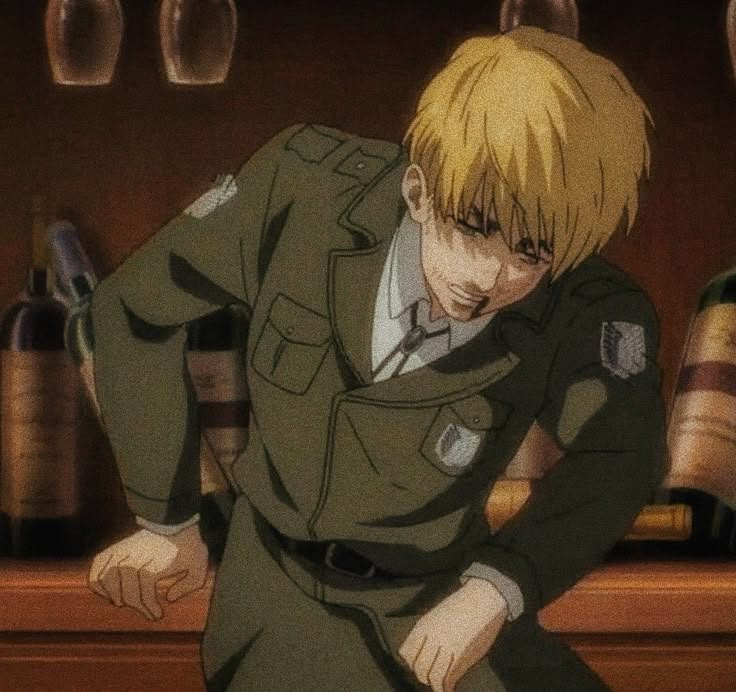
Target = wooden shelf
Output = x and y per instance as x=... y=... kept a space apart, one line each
x=666 y=626
x=630 y=597
x=649 y=597
x=53 y=596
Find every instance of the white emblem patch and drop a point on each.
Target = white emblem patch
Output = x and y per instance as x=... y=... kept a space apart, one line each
x=623 y=348
x=224 y=189
x=457 y=447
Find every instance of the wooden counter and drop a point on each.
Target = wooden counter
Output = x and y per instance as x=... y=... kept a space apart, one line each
x=642 y=625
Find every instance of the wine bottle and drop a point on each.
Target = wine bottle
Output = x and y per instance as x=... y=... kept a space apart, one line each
x=76 y=279
x=215 y=346
x=40 y=484
x=702 y=427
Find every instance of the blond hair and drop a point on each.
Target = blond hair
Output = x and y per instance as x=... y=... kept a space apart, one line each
x=538 y=132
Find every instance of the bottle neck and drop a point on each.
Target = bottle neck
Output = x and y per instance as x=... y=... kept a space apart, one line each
x=80 y=287
x=37 y=281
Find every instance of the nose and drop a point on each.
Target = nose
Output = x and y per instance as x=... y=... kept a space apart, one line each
x=485 y=277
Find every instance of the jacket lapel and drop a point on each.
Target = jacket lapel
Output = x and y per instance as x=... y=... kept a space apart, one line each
x=354 y=274
x=353 y=287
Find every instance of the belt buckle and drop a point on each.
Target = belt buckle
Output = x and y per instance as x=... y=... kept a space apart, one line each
x=329 y=555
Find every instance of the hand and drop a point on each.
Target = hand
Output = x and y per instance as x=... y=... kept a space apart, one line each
x=126 y=572
x=457 y=633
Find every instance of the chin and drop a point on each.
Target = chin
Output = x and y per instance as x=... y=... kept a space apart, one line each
x=458 y=311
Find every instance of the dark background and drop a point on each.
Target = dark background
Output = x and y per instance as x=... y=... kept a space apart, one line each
x=123 y=159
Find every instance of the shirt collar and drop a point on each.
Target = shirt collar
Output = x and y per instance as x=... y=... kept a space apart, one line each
x=406 y=278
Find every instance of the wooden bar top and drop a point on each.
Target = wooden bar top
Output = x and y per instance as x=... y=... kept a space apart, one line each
x=620 y=597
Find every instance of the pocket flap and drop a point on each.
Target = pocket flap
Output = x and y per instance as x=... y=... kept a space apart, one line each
x=477 y=413
x=298 y=324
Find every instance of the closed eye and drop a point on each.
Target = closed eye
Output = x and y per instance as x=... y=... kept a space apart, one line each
x=526 y=251
x=470 y=229
x=473 y=225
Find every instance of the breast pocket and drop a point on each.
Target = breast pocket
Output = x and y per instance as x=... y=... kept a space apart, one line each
x=461 y=431
x=292 y=345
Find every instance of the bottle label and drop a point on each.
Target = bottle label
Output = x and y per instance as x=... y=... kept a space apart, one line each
x=702 y=430
x=219 y=382
x=39 y=475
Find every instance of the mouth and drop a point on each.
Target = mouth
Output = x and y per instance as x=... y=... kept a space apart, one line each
x=465 y=298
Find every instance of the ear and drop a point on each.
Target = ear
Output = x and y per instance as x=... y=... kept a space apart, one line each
x=416 y=195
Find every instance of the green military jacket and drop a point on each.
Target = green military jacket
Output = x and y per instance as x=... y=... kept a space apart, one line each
x=300 y=237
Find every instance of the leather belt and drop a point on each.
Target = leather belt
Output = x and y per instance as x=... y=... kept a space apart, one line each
x=335 y=556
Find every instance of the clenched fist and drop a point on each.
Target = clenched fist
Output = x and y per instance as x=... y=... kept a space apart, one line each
x=127 y=572
x=452 y=637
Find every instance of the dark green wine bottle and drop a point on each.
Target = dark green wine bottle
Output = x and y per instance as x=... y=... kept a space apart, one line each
x=40 y=498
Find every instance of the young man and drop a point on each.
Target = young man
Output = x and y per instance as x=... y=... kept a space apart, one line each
x=412 y=316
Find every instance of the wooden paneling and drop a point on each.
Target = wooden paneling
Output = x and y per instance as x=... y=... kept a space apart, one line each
x=121 y=160
x=124 y=159
x=124 y=663
x=661 y=664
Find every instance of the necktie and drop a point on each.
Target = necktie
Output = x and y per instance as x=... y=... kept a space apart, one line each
x=410 y=343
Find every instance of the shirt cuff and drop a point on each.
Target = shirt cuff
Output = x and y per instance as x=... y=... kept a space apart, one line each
x=506 y=586
x=166 y=529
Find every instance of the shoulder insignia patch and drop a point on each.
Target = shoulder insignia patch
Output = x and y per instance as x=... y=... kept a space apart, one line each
x=623 y=348
x=224 y=189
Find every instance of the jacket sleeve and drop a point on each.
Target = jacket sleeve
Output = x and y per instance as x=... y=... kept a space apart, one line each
x=603 y=406
x=194 y=265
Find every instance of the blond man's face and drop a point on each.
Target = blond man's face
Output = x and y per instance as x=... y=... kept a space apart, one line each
x=470 y=270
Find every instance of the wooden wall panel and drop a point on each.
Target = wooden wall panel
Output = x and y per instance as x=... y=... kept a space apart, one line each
x=122 y=160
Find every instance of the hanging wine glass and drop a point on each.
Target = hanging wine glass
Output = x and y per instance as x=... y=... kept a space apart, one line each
x=560 y=16
x=83 y=39
x=197 y=39
x=731 y=33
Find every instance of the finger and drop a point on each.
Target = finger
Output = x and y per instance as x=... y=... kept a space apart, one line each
x=99 y=564
x=188 y=582
x=424 y=662
x=110 y=580
x=149 y=597
x=412 y=647
x=131 y=588
x=438 y=670
x=453 y=675
x=438 y=675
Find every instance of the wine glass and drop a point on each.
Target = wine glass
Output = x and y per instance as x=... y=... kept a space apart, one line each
x=83 y=39
x=560 y=16
x=197 y=40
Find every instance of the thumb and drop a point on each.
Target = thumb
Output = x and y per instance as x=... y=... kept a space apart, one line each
x=185 y=584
